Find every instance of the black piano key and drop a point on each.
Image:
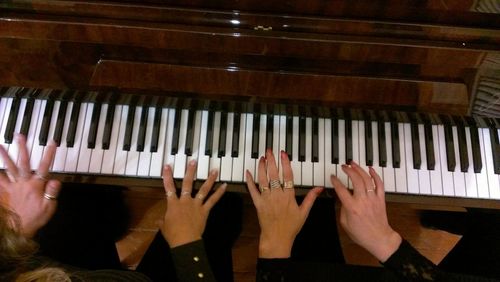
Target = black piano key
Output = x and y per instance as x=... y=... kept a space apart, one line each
x=177 y=129
x=255 y=136
x=94 y=123
x=462 y=144
x=368 y=140
x=302 y=139
x=210 y=133
x=235 y=150
x=415 y=141
x=108 y=126
x=315 y=140
x=495 y=146
x=127 y=141
x=289 y=137
x=222 y=135
x=429 y=143
x=28 y=113
x=11 y=122
x=382 y=146
x=396 y=154
x=188 y=149
x=450 y=149
x=476 y=149
x=73 y=122
x=61 y=116
x=348 y=137
x=156 y=129
x=47 y=116
x=269 y=131
x=335 y=140
x=143 y=123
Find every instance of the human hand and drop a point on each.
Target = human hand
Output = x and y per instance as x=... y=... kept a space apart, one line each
x=186 y=217
x=31 y=196
x=363 y=214
x=280 y=217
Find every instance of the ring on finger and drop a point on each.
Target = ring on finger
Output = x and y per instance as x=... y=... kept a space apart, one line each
x=184 y=193
x=275 y=183
x=41 y=176
x=49 y=196
x=288 y=184
x=264 y=189
x=370 y=190
x=169 y=194
x=200 y=196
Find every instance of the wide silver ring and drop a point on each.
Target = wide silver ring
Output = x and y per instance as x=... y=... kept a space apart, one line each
x=275 y=183
x=49 y=197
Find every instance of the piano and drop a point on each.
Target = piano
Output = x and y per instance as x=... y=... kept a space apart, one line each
x=123 y=87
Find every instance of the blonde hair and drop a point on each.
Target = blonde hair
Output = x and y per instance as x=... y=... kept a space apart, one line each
x=16 y=252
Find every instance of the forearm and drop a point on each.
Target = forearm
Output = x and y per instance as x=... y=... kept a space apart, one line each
x=191 y=262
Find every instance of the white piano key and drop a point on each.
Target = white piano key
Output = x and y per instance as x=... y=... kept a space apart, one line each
x=319 y=167
x=133 y=155
x=362 y=145
x=281 y=143
x=249 y=162
x=121 y=155
x=37 y=150
x=62 y=150
x=295 y=164
x=341 y=175
x=227 y=161
x=8 y=105
x=400 y=173
x=388 y=170
x=203 y=160
x=448 y=186
x=14 y=148
x=109 y=154
x=424 y=175
x=492 y=177
x=483 y=190
x=145 y=155
x=180 y=157
x=157 y=157
x=355 y=141
x=214 y=158
x=53 y=120
x=168 y=157
x=276 y=139
x=307 y=165
x=239 y=161
x=30 y=138
x=96 y=158
x=376 y=155
x=262 y=142
x=436 y=178
x=411 y=173
x=85 y=152
x=458 y=175
x=196 y=140
x=330 y=168
x=470 y=176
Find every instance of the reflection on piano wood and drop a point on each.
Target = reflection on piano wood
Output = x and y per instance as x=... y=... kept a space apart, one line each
x=385 y=83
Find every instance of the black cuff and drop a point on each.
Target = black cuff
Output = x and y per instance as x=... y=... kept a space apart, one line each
x=191 y=263
x=272 y=269
x=409 y=263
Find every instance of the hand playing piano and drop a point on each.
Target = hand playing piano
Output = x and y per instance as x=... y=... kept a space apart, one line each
x=30 y=195
x=280 y=217
x=186 y=216
x=363 y=214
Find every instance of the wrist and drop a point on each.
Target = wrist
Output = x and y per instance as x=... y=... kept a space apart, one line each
x=388 y=247
x=275 y=248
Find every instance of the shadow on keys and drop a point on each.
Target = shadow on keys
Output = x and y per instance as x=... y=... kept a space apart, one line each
x=91 y=218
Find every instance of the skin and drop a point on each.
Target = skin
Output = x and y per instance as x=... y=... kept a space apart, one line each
x=280 y=217
x=186 y=216
x=22 y=191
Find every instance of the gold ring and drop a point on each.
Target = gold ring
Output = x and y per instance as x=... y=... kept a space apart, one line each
x=200 y=196
x=169 y=194
x=275 y=183
x=264 y=189
x=288 y=184
x=49 y=197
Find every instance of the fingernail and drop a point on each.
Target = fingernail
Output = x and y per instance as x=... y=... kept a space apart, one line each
x=344 y=166
x=52 y=143
x=262 y=159
x=223 y=186
x=213 y=172
x=192 y=162
x=167 y=167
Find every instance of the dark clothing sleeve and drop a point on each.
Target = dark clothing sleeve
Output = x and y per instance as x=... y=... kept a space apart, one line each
x=406 y=264
x=191 y=263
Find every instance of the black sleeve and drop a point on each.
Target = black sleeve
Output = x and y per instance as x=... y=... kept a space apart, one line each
x=269 y=270
x=191 y=263
x=410 y=265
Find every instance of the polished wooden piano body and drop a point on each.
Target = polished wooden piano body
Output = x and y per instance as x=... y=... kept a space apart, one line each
x=300 y=56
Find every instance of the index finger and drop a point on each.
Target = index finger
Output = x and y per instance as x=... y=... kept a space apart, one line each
x=48 y=158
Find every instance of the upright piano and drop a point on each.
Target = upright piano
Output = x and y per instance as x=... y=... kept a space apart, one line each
x=409 y=87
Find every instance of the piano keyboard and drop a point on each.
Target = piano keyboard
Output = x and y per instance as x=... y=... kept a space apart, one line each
x=457 y=157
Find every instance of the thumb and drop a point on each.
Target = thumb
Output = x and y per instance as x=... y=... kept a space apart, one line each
x=52 y=188
x=308 y=202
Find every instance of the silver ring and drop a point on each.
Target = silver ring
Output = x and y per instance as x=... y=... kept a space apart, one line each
x=49 y=197
x=264 y=189
x=288 y=184
x=169 y=194
x=183 y=193
x=200 y=196
x=370 y=190
x=275 y=183
x=41 y=177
